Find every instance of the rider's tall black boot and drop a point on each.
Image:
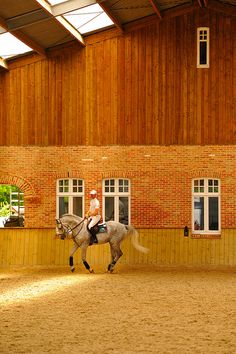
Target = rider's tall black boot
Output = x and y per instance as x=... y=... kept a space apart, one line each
x=93 y=238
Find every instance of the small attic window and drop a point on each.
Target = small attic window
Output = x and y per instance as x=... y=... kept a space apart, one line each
x=203 y=47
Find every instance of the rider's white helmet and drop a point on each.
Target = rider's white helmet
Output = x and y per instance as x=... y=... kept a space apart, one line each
x=93 y=191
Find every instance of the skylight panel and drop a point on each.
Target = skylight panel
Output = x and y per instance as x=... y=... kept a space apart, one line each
x=55 y=2
x=89 y=18
x=10 y=46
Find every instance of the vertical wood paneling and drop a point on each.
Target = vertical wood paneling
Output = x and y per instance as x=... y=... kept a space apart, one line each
x=147 y=115
x=128 y=90
x=121 y=90
x=167 y=247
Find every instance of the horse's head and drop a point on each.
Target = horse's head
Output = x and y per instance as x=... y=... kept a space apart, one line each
x=62 y=230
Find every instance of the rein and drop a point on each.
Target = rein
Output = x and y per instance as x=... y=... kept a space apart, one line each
x=68 y=229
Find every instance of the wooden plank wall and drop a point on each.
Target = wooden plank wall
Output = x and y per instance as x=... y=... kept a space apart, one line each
x=142 y=87
x=31 y=247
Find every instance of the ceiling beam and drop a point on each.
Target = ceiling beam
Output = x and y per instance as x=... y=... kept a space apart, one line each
x=23 y=38
x=220 y=7
x=200 y=3
x=3 y=64
x=62 y=21
x=29 y=42
x=107 y=10
x=179 y=10
x=170 y=13
x=40 y=15
x=155 y=8
x=27 y=19
x=69 y=6
x=2 y=29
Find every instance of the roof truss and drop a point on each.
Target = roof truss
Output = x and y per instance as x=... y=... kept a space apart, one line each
x=155 y=8
x=18 y=34
x=3 y=64
x=68 y=6
x=110 y=14
x=45 y=5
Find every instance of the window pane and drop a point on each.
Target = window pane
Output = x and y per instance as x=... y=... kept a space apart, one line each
x=213 y=213
x=213 y=186
x=88 y=18
x=77 y=206
x=203 y=53
x=109 y=186
x=11 y=206
x=198 y=186
x=64 y=186
x=63 y=205
x=109 y=208
x=77 y=186
x=123 y=185
x=10 y=46
x=199 y=213
x=124 y=210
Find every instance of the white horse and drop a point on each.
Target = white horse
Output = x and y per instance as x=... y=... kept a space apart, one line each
x=75 y=228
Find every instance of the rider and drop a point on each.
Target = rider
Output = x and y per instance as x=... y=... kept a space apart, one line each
x=93 y=215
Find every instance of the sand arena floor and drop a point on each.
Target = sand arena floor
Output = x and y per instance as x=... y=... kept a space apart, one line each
x=136 y=310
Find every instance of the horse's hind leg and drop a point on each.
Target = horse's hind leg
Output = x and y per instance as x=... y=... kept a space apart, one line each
x=116 y=253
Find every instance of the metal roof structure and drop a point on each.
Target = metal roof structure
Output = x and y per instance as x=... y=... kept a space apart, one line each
x=44 y=24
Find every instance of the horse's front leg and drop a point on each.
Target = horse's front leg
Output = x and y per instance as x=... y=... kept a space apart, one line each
x=83 y=257
x=71 y=260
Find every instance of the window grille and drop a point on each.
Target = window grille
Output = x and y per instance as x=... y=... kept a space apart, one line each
x=206 y=205
x=116 y=200
x=203 y=39
x=70 y=197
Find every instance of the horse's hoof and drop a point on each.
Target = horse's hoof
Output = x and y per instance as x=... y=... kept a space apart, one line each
x=110 y=271
x=72 y=270
x=91 y=271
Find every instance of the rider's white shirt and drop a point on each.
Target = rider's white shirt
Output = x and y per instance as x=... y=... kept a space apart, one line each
x=94 y=204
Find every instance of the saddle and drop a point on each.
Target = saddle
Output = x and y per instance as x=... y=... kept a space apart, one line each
x=100 y=227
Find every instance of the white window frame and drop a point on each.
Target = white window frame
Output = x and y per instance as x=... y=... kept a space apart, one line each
x=206 y=195
x=116 y=194
x=70 y=194
x=206 y=39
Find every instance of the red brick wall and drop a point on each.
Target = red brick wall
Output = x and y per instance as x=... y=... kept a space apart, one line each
x=160 y=179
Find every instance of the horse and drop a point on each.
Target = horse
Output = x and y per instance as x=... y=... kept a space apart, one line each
x=74 y=227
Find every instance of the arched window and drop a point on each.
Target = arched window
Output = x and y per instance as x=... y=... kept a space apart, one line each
x=70 y=197
x=206 y=205
x=11 y=206
x=116 y=200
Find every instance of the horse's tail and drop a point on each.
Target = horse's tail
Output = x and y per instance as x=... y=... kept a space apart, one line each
x=134 y=239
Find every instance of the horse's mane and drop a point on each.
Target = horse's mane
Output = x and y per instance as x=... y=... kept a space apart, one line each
x=72 y=216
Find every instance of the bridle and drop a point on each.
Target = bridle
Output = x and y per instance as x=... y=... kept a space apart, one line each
x=67 y=230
